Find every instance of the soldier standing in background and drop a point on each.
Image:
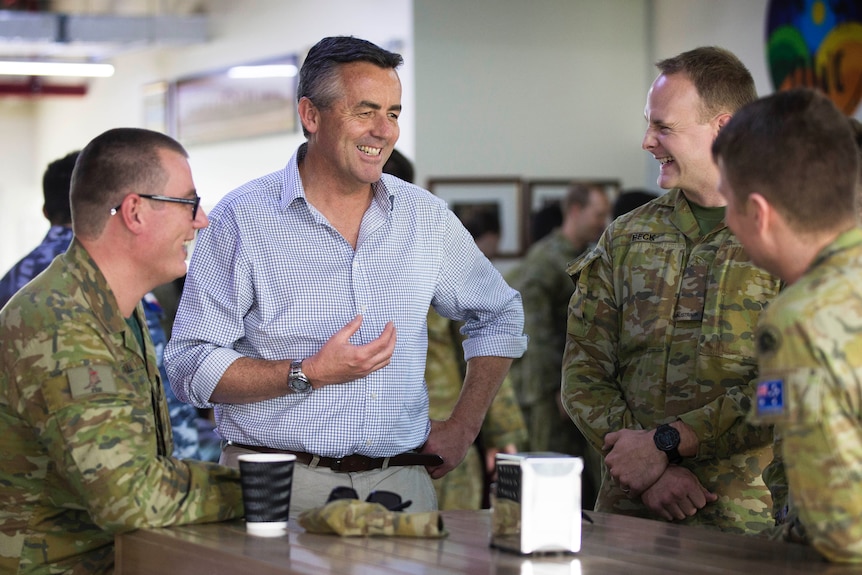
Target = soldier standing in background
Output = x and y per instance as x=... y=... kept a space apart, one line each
x=795 y=215
x=545 y=290
x=86 y=439
x=503 y=429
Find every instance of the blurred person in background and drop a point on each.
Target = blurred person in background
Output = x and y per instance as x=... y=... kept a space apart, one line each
x=466 y=486
x=546 y=289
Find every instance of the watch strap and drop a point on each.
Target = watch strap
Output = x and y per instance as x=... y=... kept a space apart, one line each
x=667 y=439
x=297 y=381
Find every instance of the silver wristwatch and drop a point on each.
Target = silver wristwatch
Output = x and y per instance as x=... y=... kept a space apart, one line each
x=297 y=381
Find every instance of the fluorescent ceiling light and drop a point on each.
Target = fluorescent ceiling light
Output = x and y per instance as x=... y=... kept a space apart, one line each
x=266 y=71
x=66 y=69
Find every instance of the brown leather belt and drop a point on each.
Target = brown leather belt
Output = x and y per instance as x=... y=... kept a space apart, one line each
x=352 y=463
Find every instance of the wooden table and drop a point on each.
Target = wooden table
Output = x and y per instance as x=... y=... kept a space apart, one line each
x=613 y=544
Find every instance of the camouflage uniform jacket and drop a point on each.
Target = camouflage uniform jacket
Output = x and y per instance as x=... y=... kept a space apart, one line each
x=545 y=292
x=661 y=327
x=183 y=416
x=810 y=357
x=84 y=432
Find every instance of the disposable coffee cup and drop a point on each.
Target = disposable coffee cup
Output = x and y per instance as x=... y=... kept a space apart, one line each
x=267 y=480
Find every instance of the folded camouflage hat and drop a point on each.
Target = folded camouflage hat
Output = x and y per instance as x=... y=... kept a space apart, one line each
x=351 y=518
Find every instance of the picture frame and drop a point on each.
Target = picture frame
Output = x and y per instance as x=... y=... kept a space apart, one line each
x=541 y=193
x=244 y=101
x=502 y=196
x=157 y=113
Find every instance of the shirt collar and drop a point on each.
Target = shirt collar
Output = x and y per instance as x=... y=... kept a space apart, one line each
x=384 y=188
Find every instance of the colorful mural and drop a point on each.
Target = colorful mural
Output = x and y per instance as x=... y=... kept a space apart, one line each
x=817 y=43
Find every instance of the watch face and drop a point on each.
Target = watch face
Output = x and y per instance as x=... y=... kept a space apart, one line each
x=666 y=438
x=299 y=384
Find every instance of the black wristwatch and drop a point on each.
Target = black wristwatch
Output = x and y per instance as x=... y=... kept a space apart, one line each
x=297 y=381
x=667 y=439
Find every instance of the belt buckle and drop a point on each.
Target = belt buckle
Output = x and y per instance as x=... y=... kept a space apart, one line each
x=336 y=464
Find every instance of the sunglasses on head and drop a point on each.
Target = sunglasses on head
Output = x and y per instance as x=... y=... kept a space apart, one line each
x=389 y=500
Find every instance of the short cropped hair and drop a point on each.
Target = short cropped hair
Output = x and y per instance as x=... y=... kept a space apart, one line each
x=578 y=194
x=722 y=81
x=56 y=182
x=319 y=80
x=481 y=221
x=112 y=165
x=797 y=150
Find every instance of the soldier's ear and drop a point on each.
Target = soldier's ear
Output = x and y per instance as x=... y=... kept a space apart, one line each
x=130 y=213
x=763 y=214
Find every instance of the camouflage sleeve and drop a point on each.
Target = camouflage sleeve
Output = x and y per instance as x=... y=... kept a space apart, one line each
x=539 y=367
x=816 y=417
x=97 y=420
x=443 y=373
x=590 y=391
x=721 y=425
x=823 y=437
x=504 y=423
x=775 y=478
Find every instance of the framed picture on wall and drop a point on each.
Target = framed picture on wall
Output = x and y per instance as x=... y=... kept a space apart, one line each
x=157 y=111
x=543 y=194
x=473 y=198
x=239 y=102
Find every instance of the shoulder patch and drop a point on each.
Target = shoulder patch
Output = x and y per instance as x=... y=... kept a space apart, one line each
x=770 y=397
x=768 y=340
x=577 y=265
x=91 y=379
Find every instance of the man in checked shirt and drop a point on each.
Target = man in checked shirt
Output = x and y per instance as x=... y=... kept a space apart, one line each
x=287 y=324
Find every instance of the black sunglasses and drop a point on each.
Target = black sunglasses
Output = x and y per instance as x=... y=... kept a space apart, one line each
x=191 y=202
x=389 y=500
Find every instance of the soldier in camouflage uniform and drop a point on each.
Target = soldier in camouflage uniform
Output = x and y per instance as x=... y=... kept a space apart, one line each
x=661 y=325
x=55 y=188
x=788 y=171
x=503 y=430
x=83 y=419
x=545 y=290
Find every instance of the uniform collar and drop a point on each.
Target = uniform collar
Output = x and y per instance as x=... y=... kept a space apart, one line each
x=845 y=241
x=94 y=287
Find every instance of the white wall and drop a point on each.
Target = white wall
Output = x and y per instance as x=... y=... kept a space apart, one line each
x=20 y=186
x=555 y=88
x=549 y=88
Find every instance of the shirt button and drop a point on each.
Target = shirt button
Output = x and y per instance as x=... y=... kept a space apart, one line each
x=368 y=442
x=374 y=395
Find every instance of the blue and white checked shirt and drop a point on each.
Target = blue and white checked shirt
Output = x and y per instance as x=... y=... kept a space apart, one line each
x=271 y=278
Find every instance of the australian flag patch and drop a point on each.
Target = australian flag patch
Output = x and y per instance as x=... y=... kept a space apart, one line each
x=770 y=397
